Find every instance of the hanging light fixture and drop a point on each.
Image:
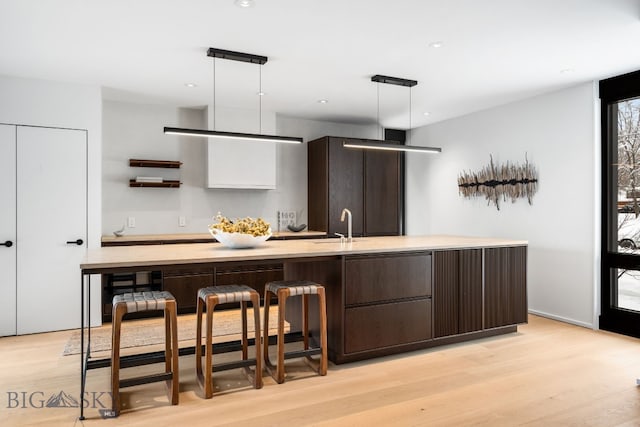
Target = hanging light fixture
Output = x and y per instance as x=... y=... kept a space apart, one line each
x=372 y=145
x=214 y=134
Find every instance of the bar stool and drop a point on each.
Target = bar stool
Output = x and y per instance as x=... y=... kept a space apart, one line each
x=284 y=289
x=134 y=303
x=208 y=298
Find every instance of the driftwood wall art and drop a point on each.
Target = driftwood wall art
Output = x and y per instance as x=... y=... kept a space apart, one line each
x=502 y=181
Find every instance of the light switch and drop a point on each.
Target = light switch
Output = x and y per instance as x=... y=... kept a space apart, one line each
x=131 y=222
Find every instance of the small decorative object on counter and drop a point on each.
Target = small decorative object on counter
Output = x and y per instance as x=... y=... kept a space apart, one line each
x=297 y=228
x=241 y=233
x=120 y=233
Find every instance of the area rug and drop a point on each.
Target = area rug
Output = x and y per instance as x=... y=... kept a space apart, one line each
x=146 y=332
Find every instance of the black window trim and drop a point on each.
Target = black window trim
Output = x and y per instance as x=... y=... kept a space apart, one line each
x=613 y=90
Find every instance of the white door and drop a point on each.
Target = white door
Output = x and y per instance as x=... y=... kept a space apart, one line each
x=51 y=217
x=7 y=230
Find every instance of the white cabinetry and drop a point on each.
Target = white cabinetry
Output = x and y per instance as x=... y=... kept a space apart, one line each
x=241 y=164
x=47 y=219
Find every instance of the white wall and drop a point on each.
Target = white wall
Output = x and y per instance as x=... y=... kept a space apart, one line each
x=135 y=131
x=556 y=132
x=55 y=104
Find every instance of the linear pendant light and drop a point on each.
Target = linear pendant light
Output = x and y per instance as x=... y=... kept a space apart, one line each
x=390 y=147
x=373 y=145
x=213 y=134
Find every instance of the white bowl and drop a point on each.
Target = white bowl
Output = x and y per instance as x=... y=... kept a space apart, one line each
x=238 y=240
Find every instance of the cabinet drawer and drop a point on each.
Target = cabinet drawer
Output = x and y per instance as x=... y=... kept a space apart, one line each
x=255 y=279
x=386 y=278
x=185 y=289
x=385 y=325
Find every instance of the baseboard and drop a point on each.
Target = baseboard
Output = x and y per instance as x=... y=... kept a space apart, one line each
x=562 y=319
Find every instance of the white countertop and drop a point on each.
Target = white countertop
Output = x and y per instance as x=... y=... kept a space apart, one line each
x=193 y=253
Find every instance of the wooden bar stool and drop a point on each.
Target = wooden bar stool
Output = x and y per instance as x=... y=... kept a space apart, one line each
x=208 y=298
x=283 y=290
x=134 y=303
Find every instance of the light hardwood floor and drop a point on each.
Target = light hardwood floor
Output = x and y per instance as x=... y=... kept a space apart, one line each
x=547 y=374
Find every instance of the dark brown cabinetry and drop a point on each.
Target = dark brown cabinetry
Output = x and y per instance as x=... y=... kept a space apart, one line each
x=184 y=284
x=385 y=325
x=505 y=286
x=368 y=183
x=120 y=283
x=457 y=292
x=254 y=276
x=387 y=301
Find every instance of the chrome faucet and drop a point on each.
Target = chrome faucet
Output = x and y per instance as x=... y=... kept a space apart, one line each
x=349 y=235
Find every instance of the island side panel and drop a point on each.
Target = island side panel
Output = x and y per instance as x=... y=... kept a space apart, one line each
x=326 y=272
x=505 y=286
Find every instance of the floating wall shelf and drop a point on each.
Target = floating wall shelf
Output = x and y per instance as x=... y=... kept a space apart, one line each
x=163 y=184
x=155 y=163
x=143 y=163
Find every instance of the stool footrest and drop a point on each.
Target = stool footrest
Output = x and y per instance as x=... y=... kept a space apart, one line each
x=302 y=353
x=234 y=365
x=130 y=382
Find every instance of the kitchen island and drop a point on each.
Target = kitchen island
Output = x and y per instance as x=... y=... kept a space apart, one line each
x=385 y=295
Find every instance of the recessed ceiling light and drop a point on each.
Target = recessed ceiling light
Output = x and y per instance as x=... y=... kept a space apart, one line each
x=436 y=45
x=244 y=3
x=426 y=113
x=322 y=101
x=190 y=85
x=260 y=93
x=567 y=70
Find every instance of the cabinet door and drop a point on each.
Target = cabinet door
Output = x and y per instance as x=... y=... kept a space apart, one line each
x=505 y=286
x=346 y=187
x=8 y=230
x=317 y=184
x=254 y=276
x=185 y=289
x=382 y=193
x=470 y=294
x=446 y=293
x=52 y=210
x=457 y=293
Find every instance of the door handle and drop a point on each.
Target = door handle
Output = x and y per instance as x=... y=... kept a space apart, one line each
x=78 y=242
x=8 y=243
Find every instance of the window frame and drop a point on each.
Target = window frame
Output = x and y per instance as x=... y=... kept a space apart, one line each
x=613 y=318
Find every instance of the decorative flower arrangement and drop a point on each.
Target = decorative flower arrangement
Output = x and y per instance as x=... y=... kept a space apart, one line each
x=241 y=233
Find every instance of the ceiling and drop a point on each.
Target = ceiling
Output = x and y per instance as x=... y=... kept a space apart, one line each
x=494 y=52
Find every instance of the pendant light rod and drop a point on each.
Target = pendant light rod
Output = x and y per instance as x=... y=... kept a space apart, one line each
x=213 y=113
x=260 y=94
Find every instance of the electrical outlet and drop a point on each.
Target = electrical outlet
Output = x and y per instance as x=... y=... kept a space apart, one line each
x=131 y=222
x=182 y=221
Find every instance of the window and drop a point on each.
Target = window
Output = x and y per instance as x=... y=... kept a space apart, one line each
x=620 y=282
